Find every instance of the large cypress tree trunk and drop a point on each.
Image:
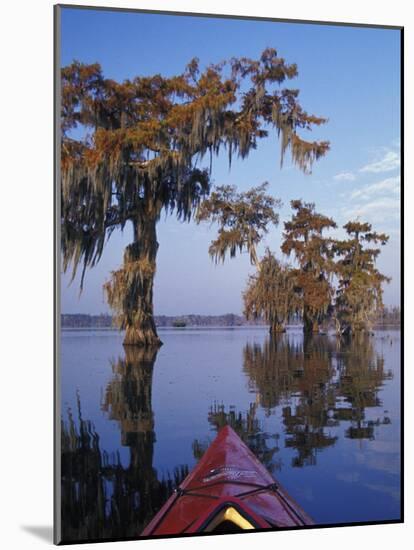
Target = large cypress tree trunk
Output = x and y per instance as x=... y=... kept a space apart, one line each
x=310 y=324
x=140 y=267
x=130 y=291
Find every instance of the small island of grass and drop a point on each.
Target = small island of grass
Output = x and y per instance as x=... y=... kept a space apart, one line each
x=179 y=323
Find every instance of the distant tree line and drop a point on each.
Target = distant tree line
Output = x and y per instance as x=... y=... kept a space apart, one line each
x=84 y=320
x=78 y=320
x=387 y=316
x=192 y=320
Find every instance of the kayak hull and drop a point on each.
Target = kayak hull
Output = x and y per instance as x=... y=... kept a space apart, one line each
x=228 y=490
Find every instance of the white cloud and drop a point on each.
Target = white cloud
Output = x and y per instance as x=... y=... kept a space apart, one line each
x=344 y=176
x=377 y=210
x=377 y=202
x=390 y=161
x=384 y=187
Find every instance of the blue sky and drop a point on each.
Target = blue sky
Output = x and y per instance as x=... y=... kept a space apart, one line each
x=350 y=75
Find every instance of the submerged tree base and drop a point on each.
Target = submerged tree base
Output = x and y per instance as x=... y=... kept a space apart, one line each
x=310 y=326
x=277 y=329
x=357 y=331
x=141 y=338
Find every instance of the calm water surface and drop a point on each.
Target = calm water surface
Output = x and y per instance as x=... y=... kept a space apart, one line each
x=323 y=416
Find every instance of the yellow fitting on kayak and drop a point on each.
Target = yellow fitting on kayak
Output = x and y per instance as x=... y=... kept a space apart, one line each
x=229 y=514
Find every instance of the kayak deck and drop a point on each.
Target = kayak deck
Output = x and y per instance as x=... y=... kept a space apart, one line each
x=228 y=490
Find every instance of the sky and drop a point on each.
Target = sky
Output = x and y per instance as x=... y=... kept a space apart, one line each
x=350 y=75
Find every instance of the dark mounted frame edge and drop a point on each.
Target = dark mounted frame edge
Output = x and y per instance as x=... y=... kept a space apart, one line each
x=57 y=527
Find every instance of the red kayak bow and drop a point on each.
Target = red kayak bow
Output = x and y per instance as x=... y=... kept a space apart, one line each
x=228 y=490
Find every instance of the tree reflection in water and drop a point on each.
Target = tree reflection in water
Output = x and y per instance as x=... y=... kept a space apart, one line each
x=361 y=376
x=317 y=387
x=248 y=428
x=101 y=498
x=320 y=383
